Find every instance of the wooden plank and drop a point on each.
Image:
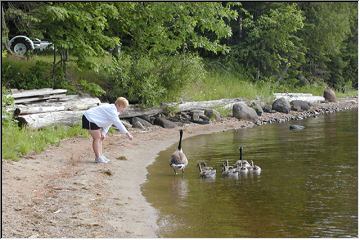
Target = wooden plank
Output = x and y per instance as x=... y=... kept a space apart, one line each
x=40 y=120
x=14 y=90
x=187 y=106
x=79 y=103
x=307 y=97
x=36 y=99
x=37 y=92
x=135 y=111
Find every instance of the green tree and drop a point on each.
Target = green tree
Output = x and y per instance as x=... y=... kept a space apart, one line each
x=78 y=27
x=350 y=52
x=158 y=28
x=327 y=27
x=271 y=46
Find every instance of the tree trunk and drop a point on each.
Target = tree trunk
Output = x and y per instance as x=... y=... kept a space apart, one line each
x=40 y=120
x=40 y=98
x=53 y=67
x=240 y=22
x=307 y=97
x=72 y=105
x=135 y=111
x=187 y=106
x=37 y=93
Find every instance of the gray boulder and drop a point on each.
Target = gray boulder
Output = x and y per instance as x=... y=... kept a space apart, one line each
x=281 y=105
x=138 y=124
x=299 y=105
x=242 y=112
x=184 y=117
x=126 y=124
x=256 y=106
x=267 y=108
x=149 y=119
x=329 y=95
x=142 y=121
x=195 y=116
x=212 y=114
x=296 y=127
x=163 y=122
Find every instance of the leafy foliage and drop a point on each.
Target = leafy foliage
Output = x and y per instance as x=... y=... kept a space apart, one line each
x=271 y=46
x=165 y=27
x=159 y=43
x=33 y=76
x=79 y=28
x=151 y=80
x=325 y=35
x=6 y=101
x=92 y=88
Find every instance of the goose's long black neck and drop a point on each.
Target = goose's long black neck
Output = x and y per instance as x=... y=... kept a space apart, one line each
x=181 y=133
x=241 y=153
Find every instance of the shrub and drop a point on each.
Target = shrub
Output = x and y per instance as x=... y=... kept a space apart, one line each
x=92 y=88
x=6 y=101
x=150 y=81
x=175 y=72
x=23 y=75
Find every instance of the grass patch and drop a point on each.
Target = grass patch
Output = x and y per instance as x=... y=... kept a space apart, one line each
x=224 y=112
x=218 y=85
x=18 y=142
x=74 y=74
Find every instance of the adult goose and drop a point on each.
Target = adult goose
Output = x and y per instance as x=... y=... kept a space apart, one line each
x=242 y=162
x=178 y=160
x=205 y=171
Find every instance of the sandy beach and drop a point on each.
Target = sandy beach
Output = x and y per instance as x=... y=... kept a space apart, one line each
x=61 y=192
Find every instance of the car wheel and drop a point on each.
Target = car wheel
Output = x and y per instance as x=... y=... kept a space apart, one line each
x=20 y=46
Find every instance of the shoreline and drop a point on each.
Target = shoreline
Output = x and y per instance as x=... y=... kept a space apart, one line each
x=62 y=193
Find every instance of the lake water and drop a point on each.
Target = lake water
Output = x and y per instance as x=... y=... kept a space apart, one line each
x=307 y=187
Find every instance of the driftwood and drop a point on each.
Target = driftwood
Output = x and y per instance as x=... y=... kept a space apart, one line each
x=72 y=105
x=40 y=120
x=38 y=99
x=187 y=106
x=46 y=114
x=135 y=111
x=37 y=92
x=308 y=97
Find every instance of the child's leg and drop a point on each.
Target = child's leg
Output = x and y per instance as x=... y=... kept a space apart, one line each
x=97 y=143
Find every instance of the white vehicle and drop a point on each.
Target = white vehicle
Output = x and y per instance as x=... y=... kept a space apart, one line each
x=20 y=44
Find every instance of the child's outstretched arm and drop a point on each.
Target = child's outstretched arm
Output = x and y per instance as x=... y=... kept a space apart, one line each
x=119 y=125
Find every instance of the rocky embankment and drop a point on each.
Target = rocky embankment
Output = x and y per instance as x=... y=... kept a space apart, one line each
x=252 y=113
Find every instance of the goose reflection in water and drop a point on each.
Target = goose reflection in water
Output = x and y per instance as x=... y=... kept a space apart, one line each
x=179 y=187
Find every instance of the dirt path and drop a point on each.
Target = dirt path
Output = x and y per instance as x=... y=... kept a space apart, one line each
x=63 y=193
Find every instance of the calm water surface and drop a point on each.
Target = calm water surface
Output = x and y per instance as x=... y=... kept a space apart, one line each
x=308 y=186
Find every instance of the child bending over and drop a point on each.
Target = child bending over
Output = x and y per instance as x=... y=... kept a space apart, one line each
x=99 y=119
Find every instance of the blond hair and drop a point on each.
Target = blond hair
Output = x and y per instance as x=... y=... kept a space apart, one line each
x=121 y=101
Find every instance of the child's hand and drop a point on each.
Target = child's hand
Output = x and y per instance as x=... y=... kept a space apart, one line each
x=129 y=136
x=102 y=136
